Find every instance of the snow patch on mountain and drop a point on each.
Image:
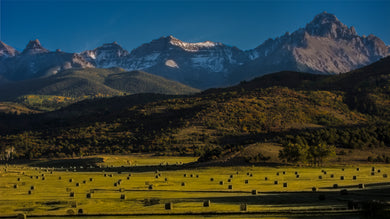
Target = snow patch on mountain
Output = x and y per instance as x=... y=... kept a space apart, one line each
x=171 y=63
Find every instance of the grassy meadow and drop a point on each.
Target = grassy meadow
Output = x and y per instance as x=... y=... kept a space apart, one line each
x=99 y=191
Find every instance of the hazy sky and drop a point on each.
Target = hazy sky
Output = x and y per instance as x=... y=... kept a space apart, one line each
x=75 y=26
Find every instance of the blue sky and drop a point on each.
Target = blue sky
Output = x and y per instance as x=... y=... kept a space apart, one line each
x=75 y=26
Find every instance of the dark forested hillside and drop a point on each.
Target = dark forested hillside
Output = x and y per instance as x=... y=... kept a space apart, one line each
x=316 y=109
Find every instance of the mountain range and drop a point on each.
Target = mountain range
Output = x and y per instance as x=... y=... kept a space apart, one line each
x=324 y=46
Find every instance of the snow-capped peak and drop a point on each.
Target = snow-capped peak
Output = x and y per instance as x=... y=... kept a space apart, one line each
x=192 y=47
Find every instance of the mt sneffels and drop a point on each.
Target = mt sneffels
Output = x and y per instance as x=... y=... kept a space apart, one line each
x=324 y=46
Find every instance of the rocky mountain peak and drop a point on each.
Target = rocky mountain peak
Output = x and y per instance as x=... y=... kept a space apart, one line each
x=7 y=51
x=327 y=25
x=34 y=47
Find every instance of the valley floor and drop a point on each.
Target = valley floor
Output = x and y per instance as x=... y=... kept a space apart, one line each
x=239 y=191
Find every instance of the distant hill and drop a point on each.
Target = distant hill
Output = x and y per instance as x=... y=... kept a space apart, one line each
x=92 y=82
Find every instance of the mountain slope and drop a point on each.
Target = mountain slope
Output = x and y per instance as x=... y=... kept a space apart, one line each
x=217 y=121
x=325 y=45
x=82 y=83
x=35 y=61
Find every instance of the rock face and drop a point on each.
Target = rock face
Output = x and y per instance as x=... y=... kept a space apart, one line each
x=325 y=46
x=7 y=51
x=36 y=61
x=106 y=56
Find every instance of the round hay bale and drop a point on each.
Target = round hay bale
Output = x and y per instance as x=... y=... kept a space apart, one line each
x=36 y=177
x=77 y=184
x=183 y=184
x=229 y=180
x=314 y=189
x=231 y=176
x=361 y=186
x=128 y=177
x=243 y=207
x=18 y=179
x=71 y=194
x=220 y=182
x=156 y=176
x=60 y=178
x=325 y=172
x=211 y=179
x=254 y=192
x=285 y=184
x=341 y=177
x=335 y=186
x=284 y=172
x=246 y=181
x=90 y=179
x=169 y=206
x=250 y=175
x=230 y=186
x=105 y=175
x=166 y=179
x=123 y=197
x=43 y=178
x=70 y=212
x=372 y=169
x=29 y=192
x=372 y=173
x=296 y=172
x=31 y=177
x=129 y=174
x=354 y=177
x=115 y=184
x=84 y=181
x=192 y=175
x=344 y=192
x=32 y=187
x=89 y=195
x=80 y=211
x=110 y=175
x=319 y=177
x=276 y=182
x=331 y=175
x=207 y=203
x=379 y=171
x=150 y=187
x=15 y=186
x=197 y=176
x=68 y=189
x=247 y=173
x=277 y=173
x=297 y=176
x=385 y=175
x=265 y=178
x=185 y=175
x=358 y=169
x=21 y=216
x=342 y=169
x=70 y=180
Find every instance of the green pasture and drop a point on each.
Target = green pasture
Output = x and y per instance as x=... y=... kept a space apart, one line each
x=148 y=192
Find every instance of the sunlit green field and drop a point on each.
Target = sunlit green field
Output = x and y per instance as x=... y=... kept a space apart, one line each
x=148 y=192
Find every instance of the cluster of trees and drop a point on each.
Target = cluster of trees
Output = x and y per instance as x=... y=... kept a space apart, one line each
x=304 y=153
x=370 y=136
